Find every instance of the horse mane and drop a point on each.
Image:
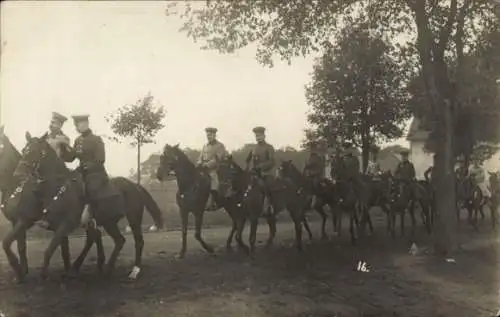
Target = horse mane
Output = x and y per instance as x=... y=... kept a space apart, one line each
x=61 y=166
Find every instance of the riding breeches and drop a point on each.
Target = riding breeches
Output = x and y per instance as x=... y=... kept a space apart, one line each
x=214 y=180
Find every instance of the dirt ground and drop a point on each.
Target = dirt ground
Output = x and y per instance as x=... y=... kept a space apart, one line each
x=321 y=282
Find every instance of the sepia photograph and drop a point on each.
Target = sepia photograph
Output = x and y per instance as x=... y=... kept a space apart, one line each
x=250 y=158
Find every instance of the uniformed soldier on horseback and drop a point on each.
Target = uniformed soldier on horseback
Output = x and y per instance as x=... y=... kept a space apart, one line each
x=56 y=138
x=351 y=165
x=89 y=150
x=405 y=172
x=261 y=160
x=315 y=165
x=478 y=178
x=59 y=142
x=212 y=153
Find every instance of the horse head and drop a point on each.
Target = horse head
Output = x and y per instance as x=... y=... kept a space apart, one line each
x=9 y=157
x=37 y=157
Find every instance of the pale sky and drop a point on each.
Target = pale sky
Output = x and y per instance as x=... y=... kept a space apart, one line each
x=93 y=57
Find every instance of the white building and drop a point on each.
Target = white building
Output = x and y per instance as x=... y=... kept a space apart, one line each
x=417 y=137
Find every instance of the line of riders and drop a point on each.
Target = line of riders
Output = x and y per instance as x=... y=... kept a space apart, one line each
x=89 y=149
x=266 y=188
x=345 y=167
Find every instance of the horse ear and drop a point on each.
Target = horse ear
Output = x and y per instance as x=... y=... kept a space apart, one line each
x=44 y=136
x=177 y=145
x=27 y=135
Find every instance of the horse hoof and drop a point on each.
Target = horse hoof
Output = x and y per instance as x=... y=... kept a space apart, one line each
x=134 y=273
x=19 y=280
x=210 y=250
x=180 y=256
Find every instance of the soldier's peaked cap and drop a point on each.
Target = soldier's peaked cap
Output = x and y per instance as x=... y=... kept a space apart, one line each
x=211 y=130
x=80 y=117
x=259 y=130
x=56 y=116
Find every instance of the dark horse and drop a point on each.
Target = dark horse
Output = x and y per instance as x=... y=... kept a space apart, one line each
x=403 y=197
x=13 y=191
x=193 y=190
x=233 y=201
x=470 y=197
x=285 y=195
x=61 y=193
x=318 y=193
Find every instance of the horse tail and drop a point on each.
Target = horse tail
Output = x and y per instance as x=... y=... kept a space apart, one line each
x=152 y=207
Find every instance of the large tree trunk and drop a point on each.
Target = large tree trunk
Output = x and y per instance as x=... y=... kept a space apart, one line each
x=440 y=97
x=445 y=240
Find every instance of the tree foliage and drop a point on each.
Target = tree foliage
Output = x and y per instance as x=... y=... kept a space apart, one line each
x=139 y=122
x=357 y=91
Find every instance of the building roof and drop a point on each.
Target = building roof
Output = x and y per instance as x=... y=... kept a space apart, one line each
x=418 y=131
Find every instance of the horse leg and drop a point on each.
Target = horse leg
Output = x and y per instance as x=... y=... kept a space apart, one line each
x=89 y=241
x=306 y=226
x=229 y=240
x=366 y=213
x=253 y=235
x=319 y=209
x=297 y=214
x=493 y=215
x=21 y=250
x=198 y=218
x=335 y=219
x=239 y=234
x=388 y=217
x=413 y=219
x=184 y=219
x=119 y=240
x=62 y=232
x=271 y=222
x=65 y=254
x=339 y=222
x=12 y=235
x=139 y=246
x=351 y=227
x=101 y=257
x=402 y=215
x=393 y=223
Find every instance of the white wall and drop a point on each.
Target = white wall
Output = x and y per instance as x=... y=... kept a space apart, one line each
x=422 y=160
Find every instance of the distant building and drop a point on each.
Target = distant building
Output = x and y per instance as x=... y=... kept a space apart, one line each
x=418 y=136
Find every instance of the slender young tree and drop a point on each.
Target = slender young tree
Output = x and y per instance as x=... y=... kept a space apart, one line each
x=138 y=123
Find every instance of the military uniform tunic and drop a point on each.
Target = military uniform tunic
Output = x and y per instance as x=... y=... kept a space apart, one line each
x=57 y=142
x=89 y=150
x=351 y=165
x=262 y=157
x=315 y=165
x=405 y=171
x=211 y=155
